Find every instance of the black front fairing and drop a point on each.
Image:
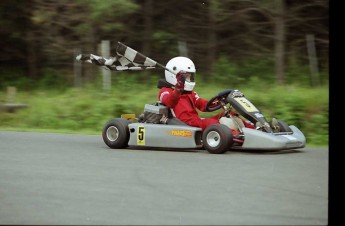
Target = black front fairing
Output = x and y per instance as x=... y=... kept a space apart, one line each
x=245 y=108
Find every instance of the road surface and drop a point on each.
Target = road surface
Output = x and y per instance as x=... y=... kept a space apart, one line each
x=48 y=178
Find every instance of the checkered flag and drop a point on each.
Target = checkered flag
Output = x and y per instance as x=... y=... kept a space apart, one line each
x=126 y=59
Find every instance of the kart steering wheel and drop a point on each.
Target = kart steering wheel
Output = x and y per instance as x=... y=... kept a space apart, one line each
x=214 y=103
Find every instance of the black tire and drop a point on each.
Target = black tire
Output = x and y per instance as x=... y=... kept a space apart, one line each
x=283 y=126
x=217 y=139
x=115 y=133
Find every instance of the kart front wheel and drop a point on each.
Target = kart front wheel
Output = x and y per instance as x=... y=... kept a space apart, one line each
x=283 y=126
x=115 y=133
x=217 y=139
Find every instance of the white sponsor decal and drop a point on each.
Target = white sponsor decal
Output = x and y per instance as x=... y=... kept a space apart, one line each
x=162 y=95
x=259 y=115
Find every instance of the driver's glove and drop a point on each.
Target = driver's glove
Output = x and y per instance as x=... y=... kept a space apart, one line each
x=180 y=77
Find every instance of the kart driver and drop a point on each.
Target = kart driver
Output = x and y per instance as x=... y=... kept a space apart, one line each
x=181 y=97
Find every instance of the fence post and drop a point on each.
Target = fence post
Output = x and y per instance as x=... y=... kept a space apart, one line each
x=11 y=94
x=106 y=74
x=314 y=70
x=77 y=68
x=182 y=48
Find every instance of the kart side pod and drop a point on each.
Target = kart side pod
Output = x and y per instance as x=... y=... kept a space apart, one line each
x=164 y=136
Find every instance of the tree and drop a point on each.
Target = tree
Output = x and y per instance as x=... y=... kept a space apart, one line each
x=46 y=32
x=62 y=26
x=16 y=37
x=280 y=41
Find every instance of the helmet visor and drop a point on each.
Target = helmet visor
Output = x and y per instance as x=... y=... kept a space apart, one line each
x=190 y=76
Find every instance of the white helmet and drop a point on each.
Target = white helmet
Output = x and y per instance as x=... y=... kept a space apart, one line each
x=181 y=64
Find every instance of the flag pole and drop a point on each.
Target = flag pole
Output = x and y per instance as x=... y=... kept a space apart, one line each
x=165 y=68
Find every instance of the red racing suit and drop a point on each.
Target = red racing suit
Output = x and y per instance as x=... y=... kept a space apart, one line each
x=184 y=107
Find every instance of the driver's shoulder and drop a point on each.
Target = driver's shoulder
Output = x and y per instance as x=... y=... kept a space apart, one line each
x=195 y=94
x=166 y=89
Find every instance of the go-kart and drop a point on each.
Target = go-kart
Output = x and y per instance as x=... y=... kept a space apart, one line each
x=156 y=127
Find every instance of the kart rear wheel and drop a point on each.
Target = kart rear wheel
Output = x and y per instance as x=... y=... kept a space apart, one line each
x=115 y=133
x=217 y=139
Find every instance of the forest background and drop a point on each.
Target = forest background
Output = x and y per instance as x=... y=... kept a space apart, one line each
x=275 y=51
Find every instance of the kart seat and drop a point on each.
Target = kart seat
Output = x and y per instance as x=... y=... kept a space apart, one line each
x=176 y=121
x=154 y=113
x=163 y=83
x=172 y=120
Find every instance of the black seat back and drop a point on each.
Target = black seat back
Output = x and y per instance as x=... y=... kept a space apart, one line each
x=163 y=83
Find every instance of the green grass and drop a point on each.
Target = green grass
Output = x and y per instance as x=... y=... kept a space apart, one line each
x=85 y=110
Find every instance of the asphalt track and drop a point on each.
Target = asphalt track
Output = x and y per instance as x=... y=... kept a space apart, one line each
x=48 y=178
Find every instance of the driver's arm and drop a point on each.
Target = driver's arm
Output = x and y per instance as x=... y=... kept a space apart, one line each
x=200 y=103
x=169 y=97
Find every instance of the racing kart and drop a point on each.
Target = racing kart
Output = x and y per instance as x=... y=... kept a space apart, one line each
x=156 y=127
